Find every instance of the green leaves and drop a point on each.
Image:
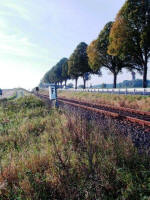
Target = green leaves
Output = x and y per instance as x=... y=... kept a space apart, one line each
x=130 y=33
x=78 y=61
x=58 y=73
x=64 y=73
x=93 y=56
x=99 y=57
x=58 y=70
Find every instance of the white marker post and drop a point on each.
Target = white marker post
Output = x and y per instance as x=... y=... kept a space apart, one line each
x=53 y=93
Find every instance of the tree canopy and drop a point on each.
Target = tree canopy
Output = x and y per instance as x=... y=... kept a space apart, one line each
x=46 y=78
x=130 y=34
x=124 y=43
x=98 y=56
x=78 y=63
x=93 y=56
x=58 y=73
x=58 y=69
x=64 y=74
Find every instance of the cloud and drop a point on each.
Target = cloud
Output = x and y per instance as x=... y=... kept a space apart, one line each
x=16 y=39
x=14 y=8
x=21 y=47
x=13 y=42
x=15 y=45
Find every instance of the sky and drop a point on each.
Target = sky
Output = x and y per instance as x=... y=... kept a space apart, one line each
x=36 y=34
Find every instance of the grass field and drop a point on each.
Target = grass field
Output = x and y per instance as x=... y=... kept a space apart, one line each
x=130 y=101
x=47 y=154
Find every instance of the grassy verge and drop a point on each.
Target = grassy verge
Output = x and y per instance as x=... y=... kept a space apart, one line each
x=46 y=154
x=130 y=101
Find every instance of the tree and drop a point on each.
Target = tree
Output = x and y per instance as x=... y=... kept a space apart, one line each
x=130 y=34
x=58 y=70
x=98 y=56
x=58 y=73
x=45 y=79
x=103 y=85
x=78 y=63
x=93 y=56
x=64 y=74
x=52 y=76
x=70 y=85
x=55 y=74
x=86 y=77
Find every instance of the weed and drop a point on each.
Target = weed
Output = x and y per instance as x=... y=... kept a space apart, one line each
x=45 y=154
x=130 y=101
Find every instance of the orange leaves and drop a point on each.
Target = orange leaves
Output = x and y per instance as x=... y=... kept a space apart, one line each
x=118 y=34
x=93 y=55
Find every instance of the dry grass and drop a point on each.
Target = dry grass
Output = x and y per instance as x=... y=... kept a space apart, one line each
x=46 y=154
x=44 y=92
x=129 y=101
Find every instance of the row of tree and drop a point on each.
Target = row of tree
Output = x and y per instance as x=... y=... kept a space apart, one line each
x=124 y=43
x=73 y=68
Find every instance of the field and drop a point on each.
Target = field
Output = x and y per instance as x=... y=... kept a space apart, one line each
x=130 y=101
x=49 y=154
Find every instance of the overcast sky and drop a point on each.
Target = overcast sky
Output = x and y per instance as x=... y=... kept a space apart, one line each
x=36 y=34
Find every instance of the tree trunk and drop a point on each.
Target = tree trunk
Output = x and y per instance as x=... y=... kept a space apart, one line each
x=115 y=80
x=76 y=80
x=145 y=75
x=65 y=83
x=84 y=83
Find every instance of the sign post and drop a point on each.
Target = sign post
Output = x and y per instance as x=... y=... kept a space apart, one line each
x=53 y=94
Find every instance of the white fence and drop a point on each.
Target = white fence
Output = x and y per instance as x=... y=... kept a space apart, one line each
x=132 y=91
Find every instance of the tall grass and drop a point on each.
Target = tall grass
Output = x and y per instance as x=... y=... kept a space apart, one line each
x=46 y=154
x=130 y=101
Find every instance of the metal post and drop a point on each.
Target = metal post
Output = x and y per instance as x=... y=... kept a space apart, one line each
x=144 y=91
x=56 y=104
